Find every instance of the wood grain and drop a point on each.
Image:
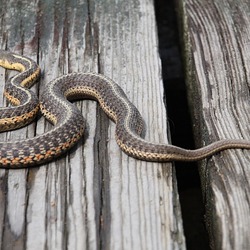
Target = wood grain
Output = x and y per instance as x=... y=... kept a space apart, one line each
x=216 y=39
x=95 y=196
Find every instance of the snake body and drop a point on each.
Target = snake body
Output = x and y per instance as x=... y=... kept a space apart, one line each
x=16 y=91
x=69 y=124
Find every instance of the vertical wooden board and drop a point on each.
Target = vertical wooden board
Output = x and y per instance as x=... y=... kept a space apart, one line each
x=136 y=188
x=95 y=196
x=216 y=38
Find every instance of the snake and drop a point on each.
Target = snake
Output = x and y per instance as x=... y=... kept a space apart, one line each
x=56 y=105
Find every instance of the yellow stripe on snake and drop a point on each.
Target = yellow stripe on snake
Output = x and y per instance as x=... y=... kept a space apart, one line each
x=69 y=123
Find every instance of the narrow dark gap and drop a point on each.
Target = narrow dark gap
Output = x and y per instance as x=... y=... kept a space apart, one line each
x=189 y=186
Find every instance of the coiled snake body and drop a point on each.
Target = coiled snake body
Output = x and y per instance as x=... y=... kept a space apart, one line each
x=69 y=123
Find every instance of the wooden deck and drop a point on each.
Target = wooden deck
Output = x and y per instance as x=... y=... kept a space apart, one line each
x=96 y=197
x=216 y=43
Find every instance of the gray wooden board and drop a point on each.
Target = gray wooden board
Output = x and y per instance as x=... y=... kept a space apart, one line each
x=216 y=39
x=95 y=196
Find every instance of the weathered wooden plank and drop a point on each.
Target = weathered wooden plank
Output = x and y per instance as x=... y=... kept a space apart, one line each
x=96 y=196
x=216 y=36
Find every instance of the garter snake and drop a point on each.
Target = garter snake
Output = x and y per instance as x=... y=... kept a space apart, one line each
x=69 y=123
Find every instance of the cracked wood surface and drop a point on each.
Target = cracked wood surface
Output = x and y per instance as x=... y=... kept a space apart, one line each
x=216 y=40
x=95 y=196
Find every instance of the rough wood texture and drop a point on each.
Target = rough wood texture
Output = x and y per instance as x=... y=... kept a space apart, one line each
x=216 y=36
x=96 y=196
